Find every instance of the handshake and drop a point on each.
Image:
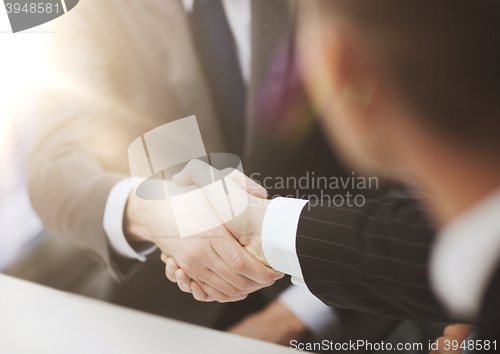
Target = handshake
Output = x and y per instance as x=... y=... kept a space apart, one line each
x=223 y=264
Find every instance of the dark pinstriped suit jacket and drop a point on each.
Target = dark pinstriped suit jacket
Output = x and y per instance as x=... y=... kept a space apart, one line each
x=372 y=258
x=338 y=249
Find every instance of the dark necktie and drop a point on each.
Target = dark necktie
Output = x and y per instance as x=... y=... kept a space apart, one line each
x=217 y=51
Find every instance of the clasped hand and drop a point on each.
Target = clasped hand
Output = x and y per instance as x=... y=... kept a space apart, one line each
x=223 y=264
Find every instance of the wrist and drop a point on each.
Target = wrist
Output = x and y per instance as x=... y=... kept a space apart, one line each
x=133 y=228
x=254 y=242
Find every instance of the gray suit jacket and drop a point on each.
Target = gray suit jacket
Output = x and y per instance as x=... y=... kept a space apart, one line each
x=123 y=68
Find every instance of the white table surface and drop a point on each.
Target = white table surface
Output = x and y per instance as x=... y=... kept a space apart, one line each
x=36 y=319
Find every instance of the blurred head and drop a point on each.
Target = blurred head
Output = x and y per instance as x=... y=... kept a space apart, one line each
x=394 y=79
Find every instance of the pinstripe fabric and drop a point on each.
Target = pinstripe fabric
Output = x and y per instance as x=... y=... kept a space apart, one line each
x=372 y=258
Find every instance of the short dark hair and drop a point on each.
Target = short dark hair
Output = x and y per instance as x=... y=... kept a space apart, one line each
x=444 y=55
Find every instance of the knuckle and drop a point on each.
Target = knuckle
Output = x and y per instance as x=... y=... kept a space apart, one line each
x=270 y=283
x=224 y=299
x=219 y=297
x=268 y=276
x=244 y=284
x=169 y=277
x=199 y=277
x=198 y=296
x=237 y=264
x=182 y=277
x=271 y=278
x=238 y=298
x=234 y=292
x=196 y=253
x=206 y=298
x=187 y=269
x=192 y=273
x=264 y=280
x=181 y=288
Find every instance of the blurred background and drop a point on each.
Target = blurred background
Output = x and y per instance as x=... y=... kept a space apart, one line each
x=23 y=68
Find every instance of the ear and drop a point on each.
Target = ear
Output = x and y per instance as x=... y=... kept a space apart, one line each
x=312 y=54
x=334 y=65
x=352 y=75
x=341 y=85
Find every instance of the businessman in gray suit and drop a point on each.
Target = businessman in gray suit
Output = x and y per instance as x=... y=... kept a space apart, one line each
x=126 y=67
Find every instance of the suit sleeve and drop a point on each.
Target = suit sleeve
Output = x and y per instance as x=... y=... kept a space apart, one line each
x=372 y=258
x=82 y=136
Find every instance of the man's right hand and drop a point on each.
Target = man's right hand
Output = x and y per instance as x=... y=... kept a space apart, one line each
x=214 y=259
x=247 y=226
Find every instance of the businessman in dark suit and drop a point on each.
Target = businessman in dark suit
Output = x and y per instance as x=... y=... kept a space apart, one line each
x=431 y=125
x=394 y=104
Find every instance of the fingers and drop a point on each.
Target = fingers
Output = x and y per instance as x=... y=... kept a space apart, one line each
x=233 y=270
x=196 y=172
x=219 y=296
x=204 y=292
x=187 y=285
x=221 y=285
x=226 y=267
x=199 y=294
x=190 y=286
x=242 y=262
x=223 y=265
x=203 y=264
x=183 y=281
x=170 y=268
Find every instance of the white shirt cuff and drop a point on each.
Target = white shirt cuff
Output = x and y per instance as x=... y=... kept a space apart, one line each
x=310 y=310
x=279 y=232
x=113 y=222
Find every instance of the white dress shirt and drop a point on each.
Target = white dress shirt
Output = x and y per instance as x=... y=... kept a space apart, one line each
x=465 y=256
x=279 y=232
x=311 y=311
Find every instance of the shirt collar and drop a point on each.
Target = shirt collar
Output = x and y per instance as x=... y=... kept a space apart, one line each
x=465 y=256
